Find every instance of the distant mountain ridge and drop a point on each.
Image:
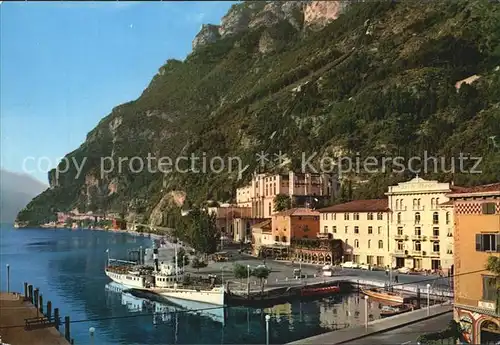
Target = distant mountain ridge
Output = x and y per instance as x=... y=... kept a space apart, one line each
x=16 y=191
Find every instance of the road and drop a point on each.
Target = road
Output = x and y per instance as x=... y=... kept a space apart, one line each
x=408 y=334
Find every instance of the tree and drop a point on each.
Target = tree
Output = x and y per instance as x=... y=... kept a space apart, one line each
x=261 y=273
x=182 y=258
x=197 y=263
x=240 y=271
x=202 y=231
x=282 y=202
x=493 y=265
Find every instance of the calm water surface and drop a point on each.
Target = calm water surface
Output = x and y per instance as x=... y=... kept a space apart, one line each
x=68 y=266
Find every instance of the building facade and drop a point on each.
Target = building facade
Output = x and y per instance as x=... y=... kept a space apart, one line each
x=477 y=237
x=259 y=194
x=421 y=225
x=363 y=227
x=262 y=236
x=294 y=224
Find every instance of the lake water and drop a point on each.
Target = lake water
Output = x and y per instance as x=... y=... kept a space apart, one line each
x=68 y=268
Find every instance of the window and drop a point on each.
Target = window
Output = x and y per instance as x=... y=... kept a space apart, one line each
x=433 y=203
x=399 y=217
x=356 y=229
x=334 y=216
x=400 y=231
x=270 y=211
x=274 y=189
x=435 y=218
x=418 y=246
x=414 y=203
x=418 y=204
x=488 y=242
x=418 y=231
x=401 y=245
x=334 y=229
x=346 y=228
x=356 y=243
x=417 y=218
x=369 y=216
x=356 y=216
x=447 y=218
x=277 y=238
x=380 y=216
x=283 y=239
x=397 y=204
x=437 y=202
x=489 y=208
x=380 y=244
x=325 y=228
x=267 y=190
x=489 y=288
x=346 y=216
x=369 y=243
x=379 y=230
x=370 y=230
x=435 y=247
x=435 y=232
x=346 y=242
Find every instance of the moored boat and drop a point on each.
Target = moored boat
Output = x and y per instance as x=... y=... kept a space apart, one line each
x=387 y=311
x=315 y=291
x=383 y=295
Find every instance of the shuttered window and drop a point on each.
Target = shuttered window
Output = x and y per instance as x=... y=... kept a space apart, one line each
x=489 y=208
x=488 y=242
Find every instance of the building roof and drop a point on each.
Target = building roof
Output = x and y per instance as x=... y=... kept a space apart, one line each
x=484 y=190
x=264 y=224
x=299 y=211
x=368 y=205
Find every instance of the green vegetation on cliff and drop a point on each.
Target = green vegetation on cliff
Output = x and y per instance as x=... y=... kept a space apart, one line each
x=378 y=81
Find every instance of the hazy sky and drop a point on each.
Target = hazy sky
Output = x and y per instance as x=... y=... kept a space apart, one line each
x=64 y=66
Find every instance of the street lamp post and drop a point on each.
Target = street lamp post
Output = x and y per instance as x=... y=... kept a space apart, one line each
x=366 y=311
x=267 y=329
x=248 y=280
x=428 y=299
x=222 y=274
x=91 y=332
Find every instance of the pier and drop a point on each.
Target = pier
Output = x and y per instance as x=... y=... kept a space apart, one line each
x=25 y=319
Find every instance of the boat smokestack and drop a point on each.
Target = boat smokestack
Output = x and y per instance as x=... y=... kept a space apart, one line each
x=155 y=258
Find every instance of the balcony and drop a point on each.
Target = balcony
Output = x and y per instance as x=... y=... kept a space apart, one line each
x=416 y=252
x=399 y=237
x=418 y=208
x=400 y=252
x=434 y=254
x=417 y=237
x=434 y=238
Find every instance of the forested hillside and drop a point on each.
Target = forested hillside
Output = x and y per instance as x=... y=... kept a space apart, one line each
x=378 y=81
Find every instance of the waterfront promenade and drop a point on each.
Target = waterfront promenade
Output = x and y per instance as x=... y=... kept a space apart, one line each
x=355 y=334
x=14 y=310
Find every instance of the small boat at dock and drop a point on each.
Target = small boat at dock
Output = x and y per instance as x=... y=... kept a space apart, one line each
x=380 y=294
x=316 y=291
x=387 y=311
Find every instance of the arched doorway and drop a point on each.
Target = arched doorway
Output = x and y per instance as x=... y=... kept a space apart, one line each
x=490 y=332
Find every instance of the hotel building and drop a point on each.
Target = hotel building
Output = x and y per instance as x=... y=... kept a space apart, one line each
x=363 y=226
x=259 y=194
x=421 y=225
x=477 y=237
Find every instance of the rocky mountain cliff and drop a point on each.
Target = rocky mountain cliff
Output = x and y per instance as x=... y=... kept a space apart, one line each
x=367 y=79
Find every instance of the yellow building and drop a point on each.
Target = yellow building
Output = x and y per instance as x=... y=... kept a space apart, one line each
x=421 y=225
x=363 y=226
x=259 y=194
x=477 y=236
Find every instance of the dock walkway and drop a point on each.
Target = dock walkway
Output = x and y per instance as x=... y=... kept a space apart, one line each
x=375 y=327
x=13 y=311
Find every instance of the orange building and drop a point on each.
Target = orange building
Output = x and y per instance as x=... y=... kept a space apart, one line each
x=477 y=237
x=294 y=224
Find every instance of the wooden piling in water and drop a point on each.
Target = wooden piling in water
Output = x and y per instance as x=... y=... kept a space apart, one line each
x=25 y=290
x=35 y=298
x=49 y=310
x=30 y=293
x=67 y=334
x=40 y=303
x=56 y=318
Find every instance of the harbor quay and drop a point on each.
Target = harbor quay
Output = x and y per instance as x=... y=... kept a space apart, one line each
x=25 y=320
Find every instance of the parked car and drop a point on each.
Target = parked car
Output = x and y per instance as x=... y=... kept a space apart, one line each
x=404 y=270
x=365 y=267
x=349 y=264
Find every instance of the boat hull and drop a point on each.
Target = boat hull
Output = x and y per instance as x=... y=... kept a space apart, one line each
x=383 y=296
x=213 y=297
x=327 y=290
